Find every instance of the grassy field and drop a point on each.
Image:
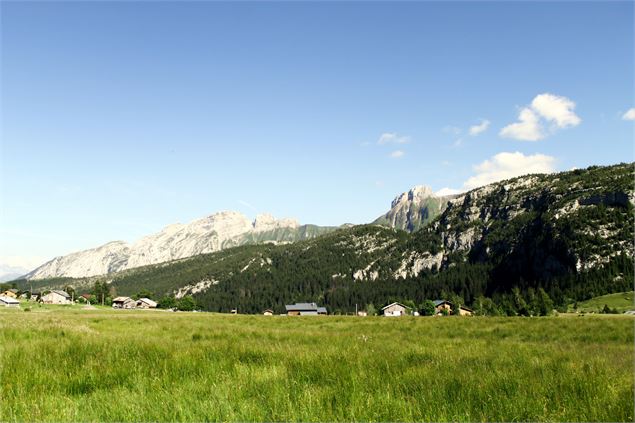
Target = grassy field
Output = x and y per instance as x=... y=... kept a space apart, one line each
x=621 y=301
x=70 y=364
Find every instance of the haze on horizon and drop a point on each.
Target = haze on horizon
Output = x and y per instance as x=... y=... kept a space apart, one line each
x=119 y=118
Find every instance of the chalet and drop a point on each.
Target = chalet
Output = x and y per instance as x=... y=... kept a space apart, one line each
x=305 y=309
x=85 y=298
x=123 y=302
x=440 y=305
x=464 y=311
x=56 y=297
x=267 y=312
x=8 y=301
x=11 y=293
x=146 y=303
x=395 y=310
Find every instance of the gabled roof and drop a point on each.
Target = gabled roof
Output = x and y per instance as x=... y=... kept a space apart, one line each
x=439 y=302
x=8 y=300
x=121 y=299
x=62 y=293
x=395 y=303
x=321 y=310
x=301 y=307
x=148 y=301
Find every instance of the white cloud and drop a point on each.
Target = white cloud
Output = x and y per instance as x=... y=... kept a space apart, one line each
x=544 y=107
x=528 y=127
x=397 y=154
x=481 y=127
x=630 y=114
x=447 y=191
x=509 y=165
x=392 y=138
x=556 y=109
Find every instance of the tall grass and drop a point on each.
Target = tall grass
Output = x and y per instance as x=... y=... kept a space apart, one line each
x=71 y=365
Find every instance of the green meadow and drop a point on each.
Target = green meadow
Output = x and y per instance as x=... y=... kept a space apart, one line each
x=620 y=301
x=68 y=364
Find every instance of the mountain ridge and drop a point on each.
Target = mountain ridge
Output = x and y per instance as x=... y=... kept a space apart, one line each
x=212 y=233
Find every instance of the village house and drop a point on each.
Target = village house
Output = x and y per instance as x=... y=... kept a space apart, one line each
x=11 y=293
x=395 y=309
x=268 y=312
x=56 y=297
x=124 y=302
x=146 y=303
x=441 y=305
x=305 y=309
x=8 y=301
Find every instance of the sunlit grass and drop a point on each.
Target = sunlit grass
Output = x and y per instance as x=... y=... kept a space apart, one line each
x=77 y=365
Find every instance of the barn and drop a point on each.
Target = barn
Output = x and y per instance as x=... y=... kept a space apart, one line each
x=146 y=303
x=123 y=302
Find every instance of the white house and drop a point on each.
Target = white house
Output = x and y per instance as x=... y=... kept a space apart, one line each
x=395 y=309
x=56 y=297
x=8 y=302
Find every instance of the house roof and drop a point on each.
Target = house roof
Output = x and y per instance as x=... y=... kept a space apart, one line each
x=321 y=310
x=148 y=301
x=8 y=300
x=301 y=307
x=62 y=293
x=439 y=302
x=121 y=299
x=395 y=303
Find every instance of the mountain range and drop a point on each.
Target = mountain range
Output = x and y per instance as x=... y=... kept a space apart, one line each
x=568 y=233
x=409 y=211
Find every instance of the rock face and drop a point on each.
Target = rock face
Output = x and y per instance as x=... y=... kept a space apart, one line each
x=412 y=210
x=206 y=235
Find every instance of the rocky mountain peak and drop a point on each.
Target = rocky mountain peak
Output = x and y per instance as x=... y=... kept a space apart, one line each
x=417 y=194
x=266 y=222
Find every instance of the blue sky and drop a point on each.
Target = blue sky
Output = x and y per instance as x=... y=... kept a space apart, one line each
x=119 y=118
